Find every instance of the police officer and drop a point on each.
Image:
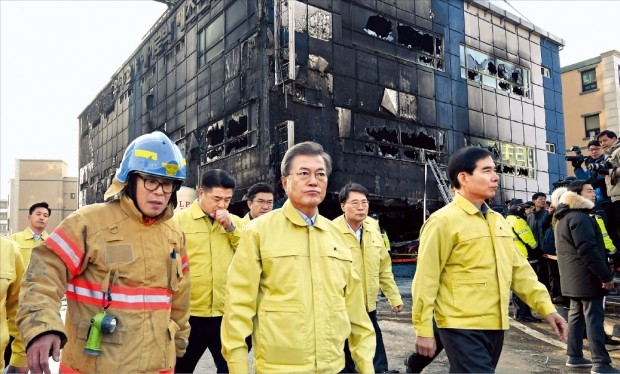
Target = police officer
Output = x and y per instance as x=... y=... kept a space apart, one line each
x=123 y=262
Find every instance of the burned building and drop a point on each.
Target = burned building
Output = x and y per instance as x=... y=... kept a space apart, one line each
x=383 y=85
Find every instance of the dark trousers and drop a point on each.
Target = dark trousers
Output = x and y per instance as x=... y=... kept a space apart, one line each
x=8 y=351
x=555 y=289
x=591 y=313
x=205 y=333
x=380 y=361
x=522 y=310
x=472 y=351
x=416 y=362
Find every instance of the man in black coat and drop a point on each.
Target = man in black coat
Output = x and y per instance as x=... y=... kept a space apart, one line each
x=584 y=276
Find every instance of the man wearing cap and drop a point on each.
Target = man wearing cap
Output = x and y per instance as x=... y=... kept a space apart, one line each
x=124 y=267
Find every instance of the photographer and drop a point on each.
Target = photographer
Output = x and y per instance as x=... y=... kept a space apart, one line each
x=609 y=142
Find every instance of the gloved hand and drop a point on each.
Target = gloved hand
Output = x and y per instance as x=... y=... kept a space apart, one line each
x=600 y=167
x=577 y=163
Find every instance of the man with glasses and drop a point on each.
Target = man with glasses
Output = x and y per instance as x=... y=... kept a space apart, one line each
x=292 y=284
x=212 y=235
x=260 y=201
x=372 y=263
x=603 y=207
x=124 y=268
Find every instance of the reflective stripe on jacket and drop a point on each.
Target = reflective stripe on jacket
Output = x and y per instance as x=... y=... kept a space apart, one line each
x=294 y=289
x=210 y=250
x=107 y=247
x=372 y=263
x=467 y=266
x=27 y=242
x=609 y=244
x=521 y=229
x=11 y=272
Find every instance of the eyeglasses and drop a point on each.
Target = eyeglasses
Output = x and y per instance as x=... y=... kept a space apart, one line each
x=304 y=175
x=153 y=184
x=591 y=149
x=263 y=202
x=357 y=203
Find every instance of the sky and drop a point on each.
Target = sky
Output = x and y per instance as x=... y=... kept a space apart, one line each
x=55 y=56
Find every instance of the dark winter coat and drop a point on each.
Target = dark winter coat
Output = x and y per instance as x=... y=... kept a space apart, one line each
x=580 y=248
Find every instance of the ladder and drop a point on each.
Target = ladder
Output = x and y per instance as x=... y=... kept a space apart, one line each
x=441 y=183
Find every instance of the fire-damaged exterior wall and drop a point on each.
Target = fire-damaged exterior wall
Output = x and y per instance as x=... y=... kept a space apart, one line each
x=382 y=85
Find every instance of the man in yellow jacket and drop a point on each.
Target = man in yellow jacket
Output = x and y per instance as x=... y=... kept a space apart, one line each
x=467 y=266
x=34 y=234
x=292 y=284
x=124 y=268
x=12 y=270
x=212 y=235
x=260 y=201
x=371 y=261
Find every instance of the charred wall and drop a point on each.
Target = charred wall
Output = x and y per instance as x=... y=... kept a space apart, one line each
x=382 y=85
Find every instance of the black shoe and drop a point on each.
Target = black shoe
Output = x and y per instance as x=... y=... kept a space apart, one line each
x=529 y=319
x=603 y=368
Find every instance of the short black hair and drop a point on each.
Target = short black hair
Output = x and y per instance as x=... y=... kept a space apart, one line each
x=577 y=186
x=213 y=178
x=464 y=160
x=537 y=195
x=42 y=204
x=343 y=195
x=257 y=188
x=594 y=142
x=608 y=133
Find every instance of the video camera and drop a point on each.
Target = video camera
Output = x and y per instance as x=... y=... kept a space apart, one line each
x=578 y=158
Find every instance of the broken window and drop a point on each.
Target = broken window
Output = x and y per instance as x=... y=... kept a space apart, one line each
x=227 y=136
x=480 y=67
x=379 y=27
x=426 y=47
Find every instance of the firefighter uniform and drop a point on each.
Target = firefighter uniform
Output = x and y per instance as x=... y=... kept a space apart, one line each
x=106 y=246
x=11 y=272
x=26 y=242
x=610 y=248
x=293 y=287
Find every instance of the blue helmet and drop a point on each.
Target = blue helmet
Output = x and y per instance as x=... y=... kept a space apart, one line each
x=152 y=154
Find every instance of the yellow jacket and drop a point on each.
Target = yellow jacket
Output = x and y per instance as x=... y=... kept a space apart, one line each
x=294 y=288
x=11 y=272
x=467 y=266
x=372 y=263
x=210 y=249
x=106 y=246
x=245 y=220
x=610 y=248
x=27 y=242
x=523 y=230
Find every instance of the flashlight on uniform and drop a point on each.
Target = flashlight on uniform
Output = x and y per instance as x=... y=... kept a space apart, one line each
x=101 y=323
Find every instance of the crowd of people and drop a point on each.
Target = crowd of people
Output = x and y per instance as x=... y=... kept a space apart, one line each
x=298 y=289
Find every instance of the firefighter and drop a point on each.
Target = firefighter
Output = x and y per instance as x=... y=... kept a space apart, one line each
x=260 y=201
x=372 y=263
x=12 y=270
x=292 y=284
x=212 y=235
x=124 y=267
